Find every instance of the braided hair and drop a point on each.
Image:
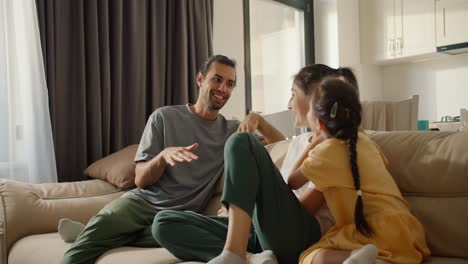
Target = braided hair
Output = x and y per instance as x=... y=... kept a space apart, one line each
x=337 y=105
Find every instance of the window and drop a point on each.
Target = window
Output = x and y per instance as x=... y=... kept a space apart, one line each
x=278 y=43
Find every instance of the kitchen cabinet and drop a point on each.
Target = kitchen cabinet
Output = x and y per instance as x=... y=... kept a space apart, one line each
x=451 y=22
x=397 y=28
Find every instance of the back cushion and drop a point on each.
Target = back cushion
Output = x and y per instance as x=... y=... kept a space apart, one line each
x=278 y=151
x=431 y=170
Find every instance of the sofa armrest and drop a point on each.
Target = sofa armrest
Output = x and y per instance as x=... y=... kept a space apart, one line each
x=27 y=209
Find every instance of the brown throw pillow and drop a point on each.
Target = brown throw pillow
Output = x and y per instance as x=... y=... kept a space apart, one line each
x=117 y=168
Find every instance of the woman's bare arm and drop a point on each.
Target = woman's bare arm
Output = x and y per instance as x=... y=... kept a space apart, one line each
x=253 y=122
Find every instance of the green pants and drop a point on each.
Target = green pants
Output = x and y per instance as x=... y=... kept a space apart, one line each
x=124 y=221
x=254 y=184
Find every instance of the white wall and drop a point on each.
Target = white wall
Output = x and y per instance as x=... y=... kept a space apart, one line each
x=442 y=85
x=348 y=33
x=349 y=50
x=228 y=39
x=337 y=43
x=326 y=32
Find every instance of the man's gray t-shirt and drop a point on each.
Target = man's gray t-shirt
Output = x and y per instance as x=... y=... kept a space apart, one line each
x=187 y=185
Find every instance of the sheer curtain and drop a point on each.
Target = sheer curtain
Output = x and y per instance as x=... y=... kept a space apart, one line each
x=26 y=143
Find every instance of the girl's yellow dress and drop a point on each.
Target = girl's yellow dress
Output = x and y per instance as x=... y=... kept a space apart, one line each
x=398 y=235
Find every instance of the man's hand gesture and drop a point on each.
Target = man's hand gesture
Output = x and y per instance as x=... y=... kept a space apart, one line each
x=171 y=155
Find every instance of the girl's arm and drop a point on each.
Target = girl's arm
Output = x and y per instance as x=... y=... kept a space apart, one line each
x=296 y=179
x=312 y=200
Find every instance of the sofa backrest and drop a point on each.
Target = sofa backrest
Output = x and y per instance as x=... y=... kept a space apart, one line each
x=431 y=170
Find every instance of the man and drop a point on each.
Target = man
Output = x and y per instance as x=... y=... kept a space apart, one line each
x=179 y=160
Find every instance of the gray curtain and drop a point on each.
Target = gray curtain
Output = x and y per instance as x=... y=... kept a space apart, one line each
x=110 y=63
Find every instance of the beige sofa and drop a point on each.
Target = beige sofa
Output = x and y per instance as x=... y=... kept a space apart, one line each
x=431 y=169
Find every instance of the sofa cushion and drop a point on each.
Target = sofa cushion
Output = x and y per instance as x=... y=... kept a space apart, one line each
x=140 y=256
x=429 y=162
x=118 y=168
x=27 y=209
x=49 y=248
x=278 y=151
x=38 y=249
x=431 y=170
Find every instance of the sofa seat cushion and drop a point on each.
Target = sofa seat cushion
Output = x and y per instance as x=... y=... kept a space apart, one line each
x=49 y=249
x=139 y=255
x=39 y=249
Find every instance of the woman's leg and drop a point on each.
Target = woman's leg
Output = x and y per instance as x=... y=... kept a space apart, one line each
x=256 y=193
x=238 y=231
x=194 y=237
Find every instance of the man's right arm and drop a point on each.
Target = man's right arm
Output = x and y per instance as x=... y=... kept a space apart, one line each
x=149 y=172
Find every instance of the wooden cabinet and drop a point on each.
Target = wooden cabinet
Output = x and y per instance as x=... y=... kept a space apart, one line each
x=397 y=28
x=451 y=22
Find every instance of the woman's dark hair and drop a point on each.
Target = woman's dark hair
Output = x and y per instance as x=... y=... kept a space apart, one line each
x=348 y=75
x=337 y=105
x=311 y=75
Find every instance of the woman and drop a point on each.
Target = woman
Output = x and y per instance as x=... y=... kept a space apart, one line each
x=255 y=193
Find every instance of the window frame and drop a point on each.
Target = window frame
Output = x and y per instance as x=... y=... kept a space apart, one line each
x=309 y=40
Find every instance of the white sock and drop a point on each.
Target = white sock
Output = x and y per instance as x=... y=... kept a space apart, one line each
x=365 y=255
x=69 y=230
x=227 y=257
x=266 y=257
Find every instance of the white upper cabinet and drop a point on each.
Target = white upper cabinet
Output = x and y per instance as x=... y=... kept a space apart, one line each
x=396 y=29
x=378 y=29
x=418 y=27
x=451 y=22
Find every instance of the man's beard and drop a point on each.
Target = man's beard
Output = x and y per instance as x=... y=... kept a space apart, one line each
x=213 y=105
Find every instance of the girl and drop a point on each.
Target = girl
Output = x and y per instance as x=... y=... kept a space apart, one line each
x=349 y=170
x=255 y=193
